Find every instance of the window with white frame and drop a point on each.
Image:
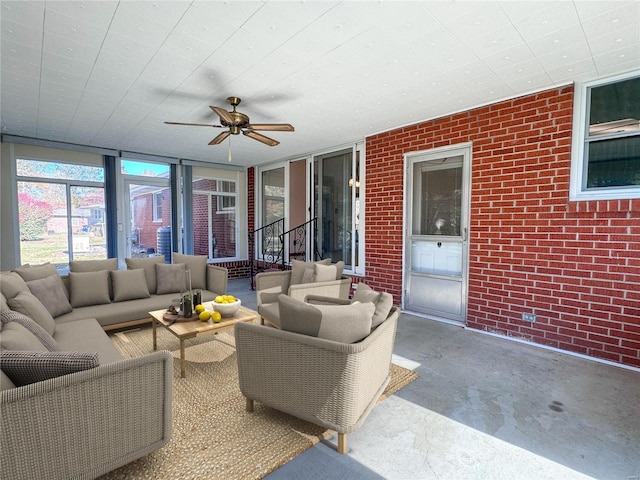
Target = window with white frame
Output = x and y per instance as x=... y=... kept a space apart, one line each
x=157 y=206
x=606 y=149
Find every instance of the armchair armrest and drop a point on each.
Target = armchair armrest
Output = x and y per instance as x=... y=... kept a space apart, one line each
x=321 y=300
x=87 y=423
x=272 y=282
x=217 y=278
x=333 y=288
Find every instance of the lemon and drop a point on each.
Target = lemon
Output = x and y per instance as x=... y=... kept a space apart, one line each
x=216 y=317
x=199 y=308
x=219 y=299
x=205 y=315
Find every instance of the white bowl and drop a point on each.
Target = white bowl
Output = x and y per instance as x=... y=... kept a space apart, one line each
x=226 y=309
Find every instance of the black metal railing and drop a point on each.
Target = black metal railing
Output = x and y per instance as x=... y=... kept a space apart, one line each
x=299 y=239
x=273 y=238
x=271 y=251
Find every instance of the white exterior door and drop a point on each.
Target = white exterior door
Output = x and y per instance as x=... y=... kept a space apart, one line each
x=437 y=222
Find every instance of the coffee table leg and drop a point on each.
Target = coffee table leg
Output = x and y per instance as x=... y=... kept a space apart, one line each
x=155 y=344
x=182 y=360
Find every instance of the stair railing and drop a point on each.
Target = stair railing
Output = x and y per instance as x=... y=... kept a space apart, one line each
x=299 y=239
x=271 y=251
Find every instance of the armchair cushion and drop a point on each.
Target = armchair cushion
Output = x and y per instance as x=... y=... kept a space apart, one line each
x=324 y=273
x=383 y=302
x=299 y=269
x=339 y=323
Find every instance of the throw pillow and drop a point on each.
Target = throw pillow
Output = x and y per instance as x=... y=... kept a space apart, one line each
x=27 y=304
x=129 y=284
x=51 y=293
x=197 y=265
x=40 y=333
x=149 y=266
x=16 y=337
x=298 y=269
x=170 y=277
x=339 y=269
x=89 y=288
x=299 y=317
x=324 y=273
x=382 y=301
x=25 y=367
x=346 y=323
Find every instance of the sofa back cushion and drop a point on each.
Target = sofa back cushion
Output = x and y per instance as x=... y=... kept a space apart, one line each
x=129 y=284
x=80 y=266
x=89 y=288
x=197 y=266
x=11 y=284
x=36 y=330
x=52 y=294
x=170 y=277
x=339 y=323
x=149 y=266
x=25 y=367
x=383 y=302
x=27 y=304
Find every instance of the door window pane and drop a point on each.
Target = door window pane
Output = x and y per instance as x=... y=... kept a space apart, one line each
x=214 y=218
x=150 y=235
x=89 y=241
x=437 y=198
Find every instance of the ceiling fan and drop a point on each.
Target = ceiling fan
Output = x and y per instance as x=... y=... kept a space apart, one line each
x=239 y=122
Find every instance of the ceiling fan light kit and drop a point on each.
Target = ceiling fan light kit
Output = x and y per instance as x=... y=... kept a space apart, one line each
x=238 y=122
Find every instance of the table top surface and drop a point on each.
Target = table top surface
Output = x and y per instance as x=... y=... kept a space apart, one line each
x=196 y=327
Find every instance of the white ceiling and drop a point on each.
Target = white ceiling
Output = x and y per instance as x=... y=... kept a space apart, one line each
x=108 y=74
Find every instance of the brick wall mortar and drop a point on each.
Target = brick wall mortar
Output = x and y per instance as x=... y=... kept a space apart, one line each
x=575 y=264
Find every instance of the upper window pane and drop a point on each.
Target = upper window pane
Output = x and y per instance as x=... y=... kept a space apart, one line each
x=144 y=169
x=615 y=108
x=58 y=170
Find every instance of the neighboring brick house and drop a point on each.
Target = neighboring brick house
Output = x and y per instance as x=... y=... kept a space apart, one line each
x=576 y=263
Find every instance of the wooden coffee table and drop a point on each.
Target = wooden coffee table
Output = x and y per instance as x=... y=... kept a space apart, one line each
x=185 y=330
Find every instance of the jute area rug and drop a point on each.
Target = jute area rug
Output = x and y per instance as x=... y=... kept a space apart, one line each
x=213 y=436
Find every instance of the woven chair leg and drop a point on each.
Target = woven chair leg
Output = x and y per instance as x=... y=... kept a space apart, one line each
x=249 y=405
x=342 y=443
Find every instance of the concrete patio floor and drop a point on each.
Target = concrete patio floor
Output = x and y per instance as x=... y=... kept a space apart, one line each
x=486 y=408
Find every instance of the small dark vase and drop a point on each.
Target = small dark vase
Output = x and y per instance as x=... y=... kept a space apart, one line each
x=197 y=297
x=186 y=307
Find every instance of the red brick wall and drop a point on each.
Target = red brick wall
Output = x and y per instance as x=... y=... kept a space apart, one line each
x=576 y=265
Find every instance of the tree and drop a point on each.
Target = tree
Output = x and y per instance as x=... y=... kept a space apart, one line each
x=33 y=215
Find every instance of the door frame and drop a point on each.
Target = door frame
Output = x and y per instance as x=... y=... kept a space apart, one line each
x=466 y=151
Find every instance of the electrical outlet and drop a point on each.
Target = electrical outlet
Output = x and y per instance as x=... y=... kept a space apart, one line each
x=529 y=317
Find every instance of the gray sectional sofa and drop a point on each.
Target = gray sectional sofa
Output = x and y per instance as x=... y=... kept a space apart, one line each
x=70 y=405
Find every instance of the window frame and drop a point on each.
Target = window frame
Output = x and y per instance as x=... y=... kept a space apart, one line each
x=157 y=216
x=579 y=162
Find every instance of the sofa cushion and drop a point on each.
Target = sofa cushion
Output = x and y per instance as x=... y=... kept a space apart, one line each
x=89 y=288
x=88 y=336
x=324 y=273
x=16 y=337
x=149 y=266
x=383 y=302
x=269 y=297
x=51 y=293
x=129 y=284
x=11 y=284
x=197 y=265
x=4 y=306
x=80 y=266
x=25 y=367
x=170 y=277
x=304 y=270
x=35 y=272
x=27 y=304
x=40 y=333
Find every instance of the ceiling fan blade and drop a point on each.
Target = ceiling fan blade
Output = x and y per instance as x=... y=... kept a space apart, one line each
x=223 y=114
x=220 y=138
x=261 y=138
x=194 y=124
x=273 y=127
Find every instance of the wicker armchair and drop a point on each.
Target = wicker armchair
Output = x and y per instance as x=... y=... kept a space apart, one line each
x=328 y=383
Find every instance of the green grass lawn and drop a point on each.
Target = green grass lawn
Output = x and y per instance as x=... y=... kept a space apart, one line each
x=54 y=249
